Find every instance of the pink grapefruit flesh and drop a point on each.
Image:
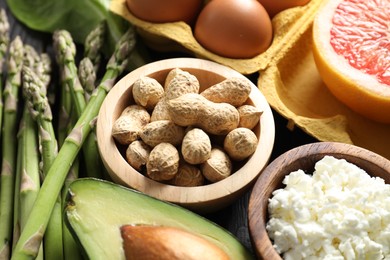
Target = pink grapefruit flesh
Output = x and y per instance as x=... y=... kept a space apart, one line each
x=351 y=48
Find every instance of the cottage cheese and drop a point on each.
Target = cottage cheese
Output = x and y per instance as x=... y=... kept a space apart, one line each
x=339 y=212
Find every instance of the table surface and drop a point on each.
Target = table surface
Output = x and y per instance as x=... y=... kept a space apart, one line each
x=234 y=217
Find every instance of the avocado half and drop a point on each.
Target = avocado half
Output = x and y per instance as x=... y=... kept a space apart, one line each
x=95 y=210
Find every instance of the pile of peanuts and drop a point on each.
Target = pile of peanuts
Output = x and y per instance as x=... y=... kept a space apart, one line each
x=178 y=136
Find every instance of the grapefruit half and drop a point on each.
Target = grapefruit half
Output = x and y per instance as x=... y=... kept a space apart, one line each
x=351 y=48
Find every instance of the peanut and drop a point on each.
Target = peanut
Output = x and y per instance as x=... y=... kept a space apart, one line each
x=240 y=143
x=217 y=167
x=137 y=112
x=194 y=109
x=234 y=91
x=249 y=116
x=127 y=127
x=171 y=74
x=163 y=162
x=162 y=131
x=147 y=92
x=160 y=111
x=137 y=154
x=196 y=146
x=177 y=83
x=182 y=82
x=188 y=176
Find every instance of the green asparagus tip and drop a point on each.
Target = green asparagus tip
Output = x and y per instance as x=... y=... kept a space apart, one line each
x=16 y=55
x=36 y=101
x=31 y=56
x=94 y=43
x=44 y=70
x=64 y=46
x=4 y=34
x=41 y=64
x=87 y=74
x=120 y=58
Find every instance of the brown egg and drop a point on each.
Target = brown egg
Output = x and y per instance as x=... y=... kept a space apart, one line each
x=275 y=6
x=236 y=29
x=161 y=11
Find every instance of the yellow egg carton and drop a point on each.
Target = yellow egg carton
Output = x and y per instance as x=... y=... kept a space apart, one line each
x=288 y=77
x=178 y=36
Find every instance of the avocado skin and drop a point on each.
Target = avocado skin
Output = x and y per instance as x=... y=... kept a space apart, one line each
x=96 y=209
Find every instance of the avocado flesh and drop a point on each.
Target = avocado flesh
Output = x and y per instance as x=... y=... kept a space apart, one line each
x=95 y=211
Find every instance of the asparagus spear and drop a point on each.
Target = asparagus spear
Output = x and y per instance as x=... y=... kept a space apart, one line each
x=54 y=234
x=66 y=50
x=29 y=168
x=4 y=42
x=30 y=238
x=27 y=176
x=71 y=249
x=89 y=65
x=94 y=43
x=67 y=118
x=65 y=111
x=18 y=173
x=87 y=77
x=10 y=125
x=29 y=172
x=65 y=54
x=31 y=57
x=39 y=107
x=41 y=64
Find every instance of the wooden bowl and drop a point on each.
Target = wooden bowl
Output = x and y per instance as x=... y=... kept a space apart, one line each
x=302 y=157
x=203 y=199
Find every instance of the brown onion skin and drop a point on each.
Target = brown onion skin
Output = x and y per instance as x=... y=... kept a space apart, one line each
x=162 y=11
x=274 y=7
x=238 y=29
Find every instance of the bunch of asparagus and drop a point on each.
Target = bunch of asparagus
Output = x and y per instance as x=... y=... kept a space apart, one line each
x=39 y=157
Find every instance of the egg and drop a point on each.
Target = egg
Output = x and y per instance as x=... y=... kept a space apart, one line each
x=236 y=29
x=275 y=6
x=161 y=11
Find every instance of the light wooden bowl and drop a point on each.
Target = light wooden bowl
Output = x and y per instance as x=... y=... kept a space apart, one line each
x=202 y=199
x=302 y=157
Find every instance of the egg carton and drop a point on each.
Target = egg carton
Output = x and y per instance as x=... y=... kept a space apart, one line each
x=178 y=36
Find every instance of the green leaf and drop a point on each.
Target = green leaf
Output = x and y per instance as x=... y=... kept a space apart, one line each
x=78 y=17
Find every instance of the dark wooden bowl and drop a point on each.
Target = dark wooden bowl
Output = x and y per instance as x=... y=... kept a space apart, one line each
x=303 y=157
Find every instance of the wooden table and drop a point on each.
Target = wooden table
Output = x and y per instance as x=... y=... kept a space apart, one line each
x=234 y=217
